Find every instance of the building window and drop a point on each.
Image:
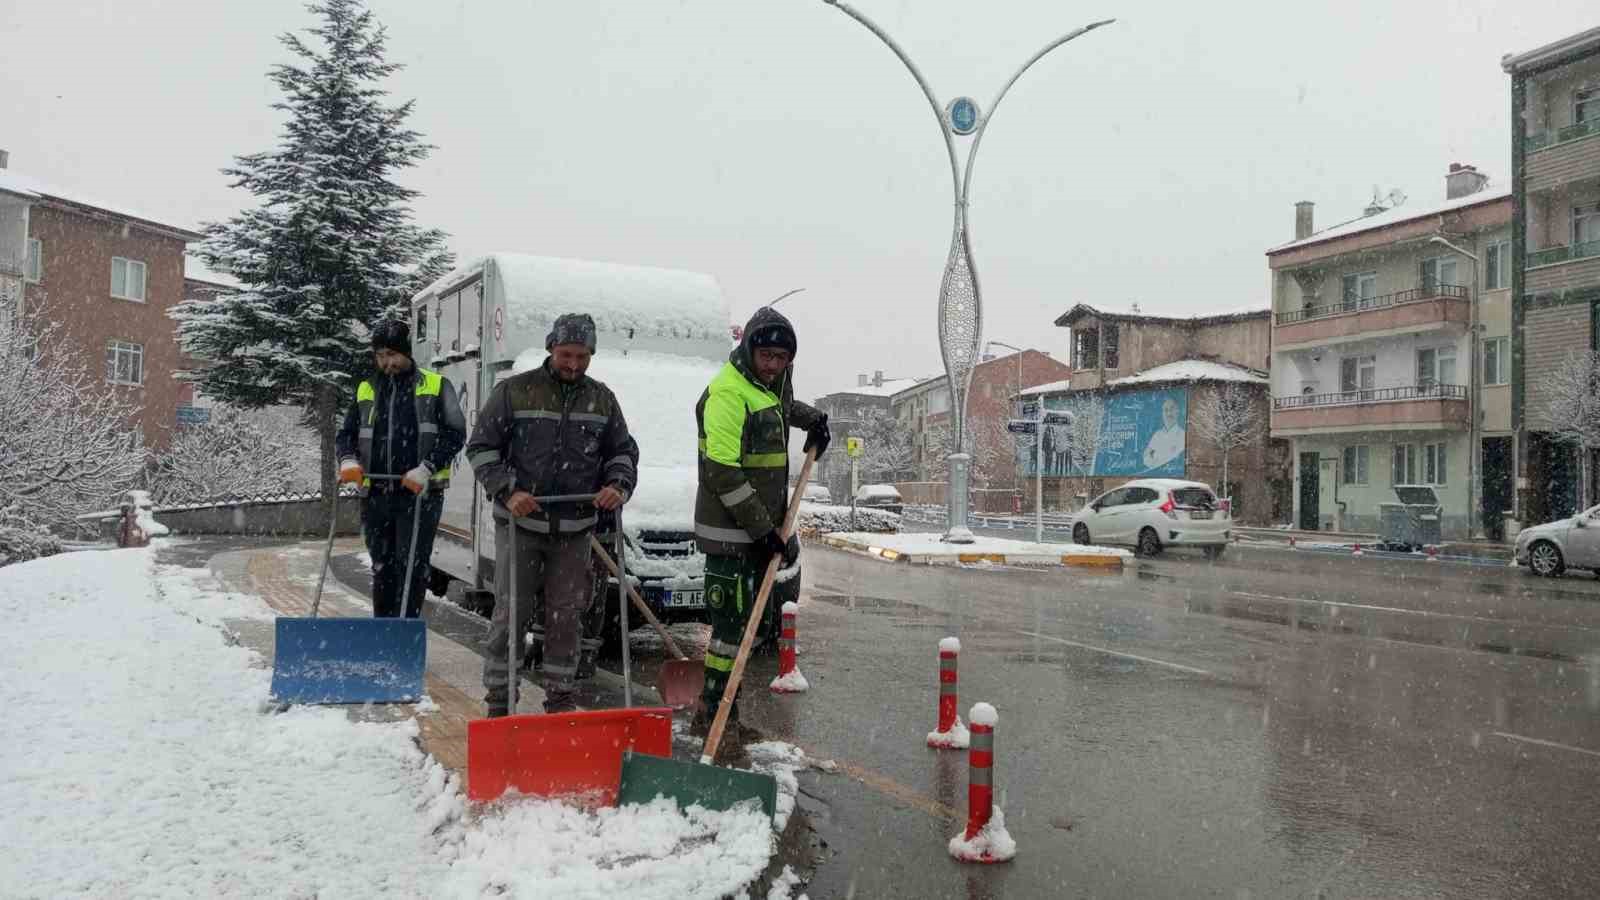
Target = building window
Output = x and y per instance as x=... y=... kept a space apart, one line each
x=1585 y=224
x=127 y=279
x=1436 y=366
x=1086 y=348
x=1356 y=461
x=1497 y=266
x=1441 y=270
x=1405 y=464
x=1360 y=289
x=1585 y=106
x=422 y=324
x=124 y=362
x=1497 y=360
x=1433 y=467
x=35 y=264
x=1358 y=373
x=1109 y=339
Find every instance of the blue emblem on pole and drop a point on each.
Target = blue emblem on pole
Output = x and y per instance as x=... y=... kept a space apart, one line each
x=962 y=114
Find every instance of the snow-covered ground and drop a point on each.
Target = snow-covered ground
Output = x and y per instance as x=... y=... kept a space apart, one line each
x=141 y=761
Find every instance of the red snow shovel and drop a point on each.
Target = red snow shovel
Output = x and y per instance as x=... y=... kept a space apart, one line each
x=681 y=678
x=573 y=756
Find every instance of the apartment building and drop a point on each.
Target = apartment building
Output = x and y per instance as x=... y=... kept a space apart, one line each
x=107 y=277
x=1391 y=341
x=1555 y=241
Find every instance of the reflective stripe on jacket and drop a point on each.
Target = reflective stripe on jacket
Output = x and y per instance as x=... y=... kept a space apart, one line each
x=390 y=436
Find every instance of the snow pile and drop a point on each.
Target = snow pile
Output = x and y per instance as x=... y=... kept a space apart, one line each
x=145 y=516
x=1192 y=370
x=149 y=769
x=783 y=887
x=985 y=714
x=821 y=518
x=929 y=544
x=154 y=772
x=992 y=843
x=782 y=761
x=950 y=645
x=792 y=683
x=957 y=738
x=540 y=848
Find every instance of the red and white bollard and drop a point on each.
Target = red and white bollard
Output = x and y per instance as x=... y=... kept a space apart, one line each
x=1291 y=542
x=1433 y=553
x=985 y=839
x=951 y=734
x=1357 y=551
x=789 y=680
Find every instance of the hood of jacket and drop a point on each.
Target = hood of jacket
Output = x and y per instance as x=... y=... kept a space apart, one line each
x=743 y=356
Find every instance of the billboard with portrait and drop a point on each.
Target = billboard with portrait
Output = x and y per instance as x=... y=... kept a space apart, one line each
x=1143 y=435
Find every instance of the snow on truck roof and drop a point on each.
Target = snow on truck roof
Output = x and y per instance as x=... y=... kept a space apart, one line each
x=646 y=300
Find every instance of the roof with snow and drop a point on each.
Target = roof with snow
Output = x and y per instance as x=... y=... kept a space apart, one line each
x=1553 y=53
x=1191 y=370
x=196 y=270
x=1394 y=215
x=1054 y=387
x=1084 y=310
x=13 y=182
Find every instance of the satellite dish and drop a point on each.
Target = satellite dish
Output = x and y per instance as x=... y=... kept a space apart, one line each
x=1396 y=197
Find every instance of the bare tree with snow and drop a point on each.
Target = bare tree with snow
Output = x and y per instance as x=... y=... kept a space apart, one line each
x=1228 y=417
x=1572 y=405
x=67 y=445
x=233 y=455
x=1082 y=434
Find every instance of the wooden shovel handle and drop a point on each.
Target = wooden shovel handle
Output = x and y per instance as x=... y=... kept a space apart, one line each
x=638 y=603
x=725 y=707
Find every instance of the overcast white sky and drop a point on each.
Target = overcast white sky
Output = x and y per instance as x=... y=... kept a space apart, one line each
x=778 y=144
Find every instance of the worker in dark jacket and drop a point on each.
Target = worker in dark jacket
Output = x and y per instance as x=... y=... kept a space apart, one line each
x=406 y=421
x=744 y=417
x=553 y=430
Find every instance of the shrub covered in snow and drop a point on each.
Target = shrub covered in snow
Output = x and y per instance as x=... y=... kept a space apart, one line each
x=236 y=454
x=819 y=518
x=21 y=539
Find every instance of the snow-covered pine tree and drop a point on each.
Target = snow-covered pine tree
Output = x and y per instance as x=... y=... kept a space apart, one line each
x=330 y=250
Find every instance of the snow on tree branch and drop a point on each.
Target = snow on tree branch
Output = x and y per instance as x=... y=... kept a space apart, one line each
x=1228 y=416
x=888 y=453
x=67 y=445
x=236 y=454
x=1572 y=405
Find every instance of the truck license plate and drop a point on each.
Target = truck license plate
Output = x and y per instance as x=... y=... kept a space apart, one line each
x=686 y=599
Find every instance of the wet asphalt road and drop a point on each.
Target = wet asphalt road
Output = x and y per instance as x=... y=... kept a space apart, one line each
x=1274 y=725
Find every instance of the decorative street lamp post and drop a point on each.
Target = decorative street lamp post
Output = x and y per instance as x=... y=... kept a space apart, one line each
x=960 y=300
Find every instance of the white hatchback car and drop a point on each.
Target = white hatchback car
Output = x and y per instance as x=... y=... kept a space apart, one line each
x=1554 y=547
x=1154 y=513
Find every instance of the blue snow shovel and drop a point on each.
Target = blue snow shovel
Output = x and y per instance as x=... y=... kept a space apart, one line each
x=352 y=660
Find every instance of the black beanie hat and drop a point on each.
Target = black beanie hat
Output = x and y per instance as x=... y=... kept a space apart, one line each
x=774 y=334
x=571 y=328
x=392 y=334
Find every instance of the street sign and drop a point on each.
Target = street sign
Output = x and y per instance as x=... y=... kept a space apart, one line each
x=853 y=447
x=194 y=415
x=1022 y=426
x=1057 y=417
x=962 y=113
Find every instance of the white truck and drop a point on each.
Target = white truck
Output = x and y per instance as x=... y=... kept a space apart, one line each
x=661 y=334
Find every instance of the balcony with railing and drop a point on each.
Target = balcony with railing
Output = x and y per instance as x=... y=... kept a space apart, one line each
x=1544 y=140
x=1564 y=267
x=1416 y=309
x=1419 y=407
x=1561 y=157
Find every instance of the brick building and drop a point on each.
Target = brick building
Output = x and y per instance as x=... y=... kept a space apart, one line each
x=923 y=411
x=108 y=278
x=849 y=413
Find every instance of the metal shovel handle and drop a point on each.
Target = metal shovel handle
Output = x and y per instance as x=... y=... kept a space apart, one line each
x=622 y=612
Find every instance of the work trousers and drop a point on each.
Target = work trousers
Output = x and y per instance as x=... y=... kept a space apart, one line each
x=386 y=517
x=556 y=565
x=731 y=584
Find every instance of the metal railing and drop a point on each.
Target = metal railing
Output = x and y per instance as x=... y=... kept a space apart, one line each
x=1374 y=395
x=1352 y=305
x=1563 y=254
x=1561 y=135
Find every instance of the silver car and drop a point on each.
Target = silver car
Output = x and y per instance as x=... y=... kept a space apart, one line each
x=1554 y=547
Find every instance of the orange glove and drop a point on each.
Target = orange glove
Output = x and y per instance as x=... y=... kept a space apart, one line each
x=350 y=471
x=416 y=480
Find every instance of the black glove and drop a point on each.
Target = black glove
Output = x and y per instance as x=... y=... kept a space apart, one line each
x=818 y=436
x=788 y=550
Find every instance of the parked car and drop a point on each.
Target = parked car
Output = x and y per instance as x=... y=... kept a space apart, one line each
x=1554 y=547
x=818 y=493
x=880 y=496
x=1155 y=513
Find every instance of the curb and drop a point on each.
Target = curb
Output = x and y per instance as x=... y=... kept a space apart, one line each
x=1065 y=560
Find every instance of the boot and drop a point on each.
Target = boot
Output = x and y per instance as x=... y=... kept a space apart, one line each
x=495 y=707
x=586 y=666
